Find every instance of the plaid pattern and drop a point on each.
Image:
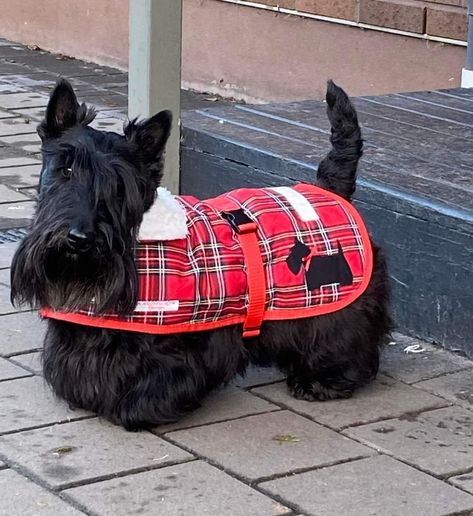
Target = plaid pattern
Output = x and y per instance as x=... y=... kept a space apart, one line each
x=200 y=280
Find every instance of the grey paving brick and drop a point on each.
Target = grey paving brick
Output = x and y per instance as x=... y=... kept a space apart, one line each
x=6 y=254
x=107 y=100
x=20 y=333
x=222 y=404
x=16 y=214
x=7 y=68
x=38 y=81
x=414 y=367
x=66 y=67
x=5 y=277
x=104 y=81
x=464 y=481
x=5 y=305
x=108 y=124
x=439 y=442
x=251 y=447
x=85 y=91
x=16 y=126
x=31 y=193
x=377 y=486
x=21 y=177
x=28 y=402
x=9 y=370
x=258 y=376
x=9 y=49
x=30 y=143
x=383 y=399
x=5 y=114
x=35 y=114
x=83 y=450
x=13 y=158
x=30 y=362
x=23 y=100
x=116 y=114
x=10 y=88
x=8 y=195
x=118 y=86
x=456 y=387
x=195 y=488
x=22 y=497
x=121 y=89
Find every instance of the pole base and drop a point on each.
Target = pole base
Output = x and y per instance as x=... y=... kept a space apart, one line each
x=467 y=78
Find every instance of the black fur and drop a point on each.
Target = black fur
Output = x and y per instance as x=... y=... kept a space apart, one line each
x=337 y=171
x=99 y=184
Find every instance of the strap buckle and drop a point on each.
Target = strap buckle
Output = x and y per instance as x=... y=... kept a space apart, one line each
x=239 y=221
x=247 y=234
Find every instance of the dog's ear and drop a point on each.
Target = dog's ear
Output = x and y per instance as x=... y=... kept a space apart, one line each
x=150 y=135
x=61 y=113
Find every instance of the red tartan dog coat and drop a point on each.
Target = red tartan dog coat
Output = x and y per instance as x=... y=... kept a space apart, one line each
x=250 y=255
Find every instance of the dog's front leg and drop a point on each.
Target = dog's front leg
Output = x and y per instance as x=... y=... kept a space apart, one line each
x=134 y=380
x=176 y=373
x=162 y=391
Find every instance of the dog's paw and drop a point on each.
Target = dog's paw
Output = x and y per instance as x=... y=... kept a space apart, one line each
x=315 y=391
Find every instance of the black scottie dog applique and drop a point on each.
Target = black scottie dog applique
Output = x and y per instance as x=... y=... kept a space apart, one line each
x=320 y=270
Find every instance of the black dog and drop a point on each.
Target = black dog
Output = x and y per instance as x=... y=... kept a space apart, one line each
x=95 y=187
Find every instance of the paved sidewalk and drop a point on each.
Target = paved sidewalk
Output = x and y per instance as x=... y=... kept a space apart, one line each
x=401 y=446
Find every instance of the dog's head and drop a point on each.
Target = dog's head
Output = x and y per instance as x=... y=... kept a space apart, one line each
x=94 y=189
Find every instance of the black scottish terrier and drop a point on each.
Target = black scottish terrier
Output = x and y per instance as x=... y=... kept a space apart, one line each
x=94 y=188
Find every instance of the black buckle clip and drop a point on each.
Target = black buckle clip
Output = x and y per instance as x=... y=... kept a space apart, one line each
x=237 y=219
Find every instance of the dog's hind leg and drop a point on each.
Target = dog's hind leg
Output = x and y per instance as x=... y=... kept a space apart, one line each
x=329 y=356
x=340 y=354
x=321 y=364
x=334 y=363
x=328 y=383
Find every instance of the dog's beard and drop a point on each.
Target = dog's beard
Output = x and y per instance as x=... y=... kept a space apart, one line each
x=46 y=274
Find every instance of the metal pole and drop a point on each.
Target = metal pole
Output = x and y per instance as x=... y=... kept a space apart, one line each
x=154 y=80
x=469 y=50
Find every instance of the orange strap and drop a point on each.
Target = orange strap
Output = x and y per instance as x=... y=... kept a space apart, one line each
x=256 y=279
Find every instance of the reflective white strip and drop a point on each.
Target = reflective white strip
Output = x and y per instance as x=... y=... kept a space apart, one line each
x=157 y=306
x=300 y=204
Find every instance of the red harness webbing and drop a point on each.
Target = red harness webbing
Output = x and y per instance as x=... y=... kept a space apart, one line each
x=256 y=280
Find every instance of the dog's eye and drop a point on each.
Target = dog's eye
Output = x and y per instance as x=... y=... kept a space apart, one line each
x=66 y=172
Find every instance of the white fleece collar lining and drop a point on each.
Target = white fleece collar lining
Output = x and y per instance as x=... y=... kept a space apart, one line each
x=165 y=220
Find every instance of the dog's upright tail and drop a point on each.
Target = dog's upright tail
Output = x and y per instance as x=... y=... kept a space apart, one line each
x=337 y=171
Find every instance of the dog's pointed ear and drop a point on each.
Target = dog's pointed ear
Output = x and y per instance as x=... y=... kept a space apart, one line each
x=150 y=135
x=61 y=113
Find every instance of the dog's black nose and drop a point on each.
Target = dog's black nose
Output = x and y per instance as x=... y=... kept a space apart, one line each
x=79 y=241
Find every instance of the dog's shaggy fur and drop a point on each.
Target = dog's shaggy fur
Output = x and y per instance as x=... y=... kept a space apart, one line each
x=94 y=189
